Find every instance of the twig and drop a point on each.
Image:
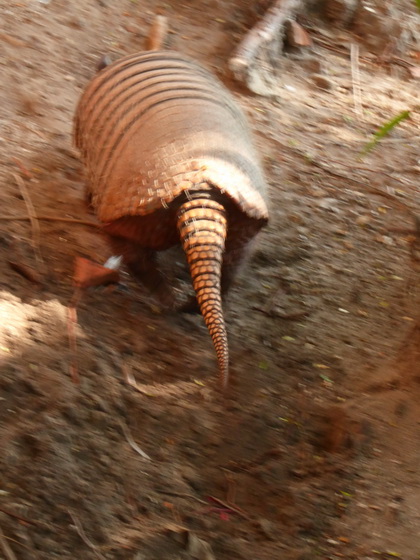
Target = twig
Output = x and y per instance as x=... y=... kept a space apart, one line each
x=369 y=59
x=19 y=517
x=355 y=77
x=7 y=551
x=50 y=219
x=71 y=333
x=232 y=507
x=83 y=536
x=32 y=217
x=132 y=443
x=26 y=271
x=23 y=169
x=181 y=495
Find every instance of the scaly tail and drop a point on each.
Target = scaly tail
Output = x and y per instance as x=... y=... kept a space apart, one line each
x=202 y=228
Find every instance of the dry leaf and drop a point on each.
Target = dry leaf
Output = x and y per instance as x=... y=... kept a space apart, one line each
x=88 y=273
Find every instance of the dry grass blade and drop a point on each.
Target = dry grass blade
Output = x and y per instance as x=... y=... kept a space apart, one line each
x=50 y=219
x=132 y=443
x=21 y=519
x=7 y=551
x=83 y=536
x=71 y=333
x=130 y=380
x=355 y=76
x=36 y=232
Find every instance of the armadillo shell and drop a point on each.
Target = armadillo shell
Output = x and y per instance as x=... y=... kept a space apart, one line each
x=155 y=124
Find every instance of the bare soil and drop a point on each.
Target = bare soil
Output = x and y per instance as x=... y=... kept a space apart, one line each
x=315 y=451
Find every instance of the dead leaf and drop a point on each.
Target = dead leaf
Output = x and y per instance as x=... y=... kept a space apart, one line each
x=87 y=273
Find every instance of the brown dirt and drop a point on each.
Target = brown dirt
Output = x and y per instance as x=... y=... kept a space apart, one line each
x=317 y=442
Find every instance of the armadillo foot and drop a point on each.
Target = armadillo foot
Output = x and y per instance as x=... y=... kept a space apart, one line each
x=143 y=266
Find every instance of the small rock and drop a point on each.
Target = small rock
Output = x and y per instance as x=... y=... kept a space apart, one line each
x=415 y=72
x=317 y=192
x=385 y=239
x=339 y=231
x=199 y=549
x=312 y=64
x=268 y=528
x=363 y=220
x=322 y=82
x=329 y=204
x=103 y=62
x=296 y=36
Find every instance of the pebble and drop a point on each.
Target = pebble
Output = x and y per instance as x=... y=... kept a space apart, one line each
x=322 y=82
x=363 y=220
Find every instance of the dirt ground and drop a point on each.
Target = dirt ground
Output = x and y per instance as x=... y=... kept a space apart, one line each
x=315 y=451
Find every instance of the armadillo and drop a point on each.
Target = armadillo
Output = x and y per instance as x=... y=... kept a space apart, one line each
x=169 y=159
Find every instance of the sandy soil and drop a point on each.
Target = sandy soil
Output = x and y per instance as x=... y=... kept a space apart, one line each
x=314 y=453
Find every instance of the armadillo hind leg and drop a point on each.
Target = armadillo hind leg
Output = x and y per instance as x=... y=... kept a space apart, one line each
x=143 y=266
x=202 y=228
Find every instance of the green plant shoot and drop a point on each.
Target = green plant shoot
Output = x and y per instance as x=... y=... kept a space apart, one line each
x=385 y=129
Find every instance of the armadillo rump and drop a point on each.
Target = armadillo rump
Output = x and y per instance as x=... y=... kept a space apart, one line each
x=169 y=159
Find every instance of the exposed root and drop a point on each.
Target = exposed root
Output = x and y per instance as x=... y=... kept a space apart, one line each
x=263 y=42
x=36 y=232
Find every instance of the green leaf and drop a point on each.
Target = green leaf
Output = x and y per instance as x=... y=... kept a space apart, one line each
x=385 y=129
x=418 y=4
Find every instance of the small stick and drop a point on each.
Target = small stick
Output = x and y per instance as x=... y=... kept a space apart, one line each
x=231 y=507
x=26 y=271
x=32 y=217
x=71 y=333
x=355 y=77
x=83 y=536
x=157 y=34
x=7 y=551
x=19 y=518
x=181 y=495
x=132 y=443
x=50 y=219
x=25 y=172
